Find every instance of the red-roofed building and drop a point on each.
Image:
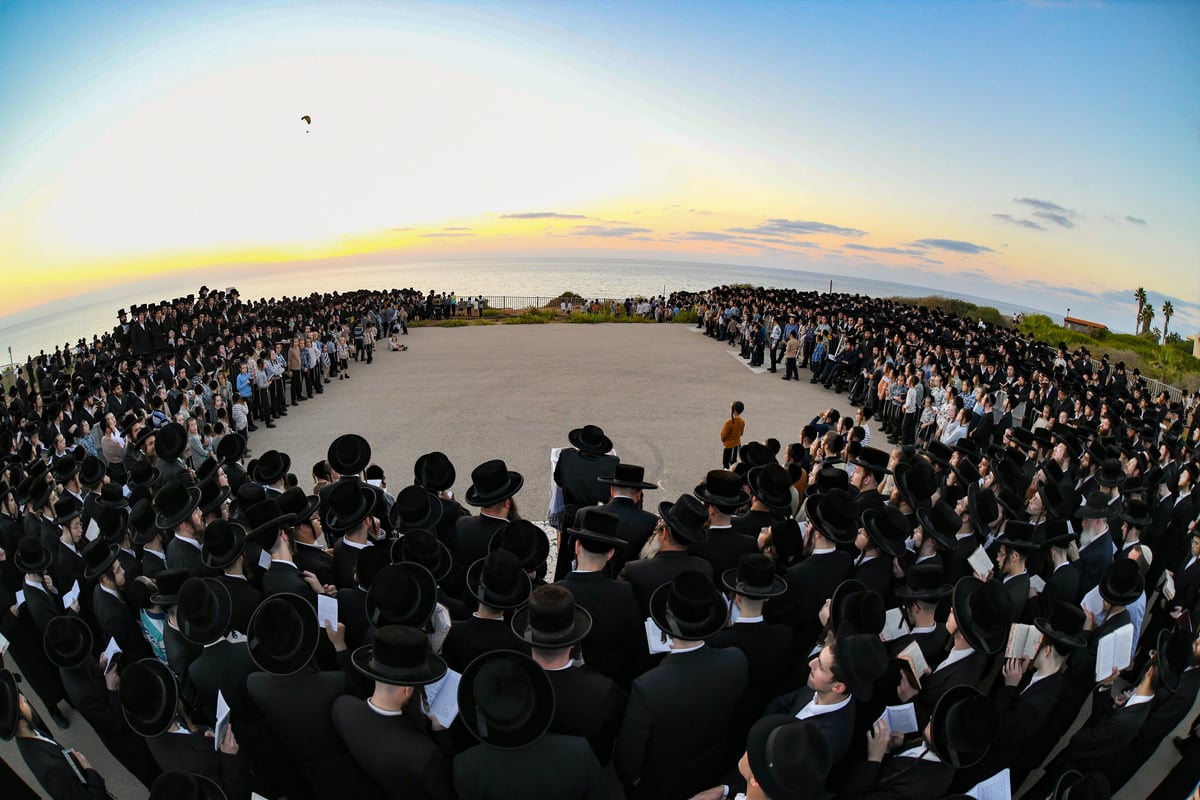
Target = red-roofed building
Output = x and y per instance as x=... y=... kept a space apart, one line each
x=1082 y=325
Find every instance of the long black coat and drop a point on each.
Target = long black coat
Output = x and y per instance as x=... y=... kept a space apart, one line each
x=48 y=764
x=836 y=727
x=402 y=761
x=723 y=548
x=636 y=528
x=647 y=574
x=116 y=621
x=897 y=778
x=245 y=599
x=194 y=753
x=475 y=636
x=102 y=709
x=767 y=649
x=555 y=766
x=588 y=704
x=472 y=535
x=616 y=644
x=810 y=583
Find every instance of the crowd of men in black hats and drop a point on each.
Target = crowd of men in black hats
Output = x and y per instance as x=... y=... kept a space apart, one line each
x=851 y=622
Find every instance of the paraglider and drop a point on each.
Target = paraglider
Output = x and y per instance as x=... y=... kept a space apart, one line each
x=307 y=121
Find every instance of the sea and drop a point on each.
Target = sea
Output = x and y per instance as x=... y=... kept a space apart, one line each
x=67 y=320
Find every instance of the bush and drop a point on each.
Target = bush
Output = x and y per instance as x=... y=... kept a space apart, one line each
x=686 y=316
x=493 y=312
x=530 y=316
x=961 y=308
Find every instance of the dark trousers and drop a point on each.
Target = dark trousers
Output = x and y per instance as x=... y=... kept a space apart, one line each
x=909 y=435
x=296 y=386
x=729 y=457
x=792 y=373
x=774 y=356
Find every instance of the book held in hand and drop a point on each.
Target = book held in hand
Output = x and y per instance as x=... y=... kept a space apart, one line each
x=1114 y=651
x=894 y=625
x=980 y=562
x=914 y=658
x=1023 y=641
x=441 y=698
x=901 y=719
x=656 y=640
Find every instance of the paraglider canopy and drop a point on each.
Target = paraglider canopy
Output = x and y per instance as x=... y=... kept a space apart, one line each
x=307 y=119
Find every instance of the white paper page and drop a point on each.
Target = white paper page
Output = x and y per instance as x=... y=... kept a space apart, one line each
x=222 y=721
x=3 y=645
x=71 y=596
x=264 y=559
x=1038 y=584
x=894 y=625
x=997 y=787
x=1168 y=588
x=901 y=719
x=980 y=562
x=327 y=611
x=111 y=650
x=93 y=530
x=443 y=698
x=1123 y=646
x=914 y=655
x=1094 y=603
x=20 y=598
x=656 y=640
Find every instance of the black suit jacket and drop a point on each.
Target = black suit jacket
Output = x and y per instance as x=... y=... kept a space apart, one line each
x=283 y=577
x=102 y=709
x=968 y=671
x=475 y=636
x=313 y=558
x=181 y=555
x=932 y=644
x=1061 y=586
x=117 y=621
x=472 y=535
x=48 y=764
x=723 y=548
x=299 y=710
x=43 y=606
x=555 y=766
x=635 y=530
x=1017 y=588
x=152 y=564
x=345 y=559
x=1093 y=562
x=752 y=522
x=673 y=744
x=1106 y=734
x=767 y=649
x=194 y=753
x=403 y=762
x=898 y=778
x=836 y=727
x=590 y=705
x=616 y=644
x=577 y=473
x=876 y=575
x=245 y=599
x=223 y=667
x=647 y=574
x=810 y=583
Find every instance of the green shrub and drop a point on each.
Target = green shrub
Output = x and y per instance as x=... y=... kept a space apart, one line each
x=686 y=316
x=493 y=312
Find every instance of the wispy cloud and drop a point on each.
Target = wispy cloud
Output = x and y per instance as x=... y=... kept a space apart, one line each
x=542 y=215
x=442 y=235
x=953 y=244
x=606 y=231
x=900 y=251
x=1050 y=212
x=456 y=229
x=1135 y=220
x=799 y=227
x=399 y=230
x=1024 y=223
x=706 y=236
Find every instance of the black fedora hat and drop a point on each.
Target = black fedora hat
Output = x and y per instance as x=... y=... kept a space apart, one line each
x=174 y=503
x=168 y=583
x=524 y=540
x=185 y=786
x=1064 y=625
x=112 y=522
x=1136 y=513
x=754 y=577
x=415 y=508
x=204 y=610
x=142 y=474
x=422 y=547
x=963 y=726
x=111 y=496
x=853 y=608
x=597 y=529
x=940 y=522
x=493 y=482
x=300 y=505
x=32 y=556
x=65 y=468
x=772 y=486
x=348 y=503
x=66 y=509
x=91 y=471
x=916 y=481
x=1055 y=533
x=628 y=476
x=984 y=613
x=834 y=514
x=1173 y=652
x=1110 y=473
x=231 y=448
x=349 y=454
x=968 y=449
x=689 y=607
x=399 y=655
x=141 y=521
x=1123 y=583
x=272 y=467
x=212 y=495
x=402 y=594
x=9 y=705
x=98 y=556
x=283 y=634
x=686 y=519
x=1097 y=506
x=938 y=452
x=862 y=659
x=551 y=620
x=1019 y=536
x=207 y=469
x=68 y=641
x=224 y=541
x=498 y=581
x=505 y=699
x=1055 y=502
x=983 y=508
x=888 y=528
x=590 y=439
x=170 y=441
x=723 y=489
x=265 y=521
x=788 y=759
x=1074 y=785
x=1068 y=440
x=873 y=460
x=149 y=696
x=924 y=582
x=434 y=472
x=39 y=493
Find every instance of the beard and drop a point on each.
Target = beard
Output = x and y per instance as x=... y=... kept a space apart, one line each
x=651 y=547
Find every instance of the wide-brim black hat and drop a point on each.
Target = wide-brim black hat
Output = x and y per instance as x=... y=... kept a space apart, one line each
x=753 y=580
x=32 y=555
x=723 y=488
x=1123 y=583
x=853 y=608
x=231 y=448
x=963 y=726
x=174 y=503
x=862 y=659
x=224 y=541
x=788 y=759
x=686 y=519
x=984 y=613
x=68 y=641
x=111 y=496
x=9 y=705
x=492 y=482
x=170 y=441
x=141 y=521
x=1074 y=785
x=772 y=485
x=149 y=696
x=916 y=481
x=112 y=522
x=594 y=525
x=272 y=466
x=689 y=608
x=142 y=474
x=941 y=523
x=834 y=514
x=524 y=540
x=512 y=592
x=1019 y=536
x=590 y=439
x=399 y=656
x=168 y=583
x=1064 y=625
x=888 y=529
x=983 y=508
x=401 y=594
x=579 y=625
x=65 y=510
x=300 y=505
x=212 y=495
x=434 y=471
x=349 y=454
x=505 y=699
x=65 y=468
x=628 y=476
x=91 y=471
x=283 y=634
x=265 y=521
x=422 y=547
x=414 y=507
x=204 y=611
x=98 y=556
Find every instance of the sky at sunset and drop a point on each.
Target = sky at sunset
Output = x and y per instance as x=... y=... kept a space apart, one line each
x=1039 y=151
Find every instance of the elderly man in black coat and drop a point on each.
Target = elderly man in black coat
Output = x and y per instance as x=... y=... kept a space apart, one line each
x=682 y=526
x=626 y=486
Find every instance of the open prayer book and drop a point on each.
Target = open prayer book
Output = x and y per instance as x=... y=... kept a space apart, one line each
x=441 y=698
x=1023 y=641
x=980 y=562
x=914 y=658
x=901 y=719
x=222 y=722
x=1114 y=651
x=1038 y=583
x=997 y=787
x=656 y=640
x=894 y=625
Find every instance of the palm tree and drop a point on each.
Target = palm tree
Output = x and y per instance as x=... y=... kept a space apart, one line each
x=1147 y=316
x=1140 y=297
x=1167 y=311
